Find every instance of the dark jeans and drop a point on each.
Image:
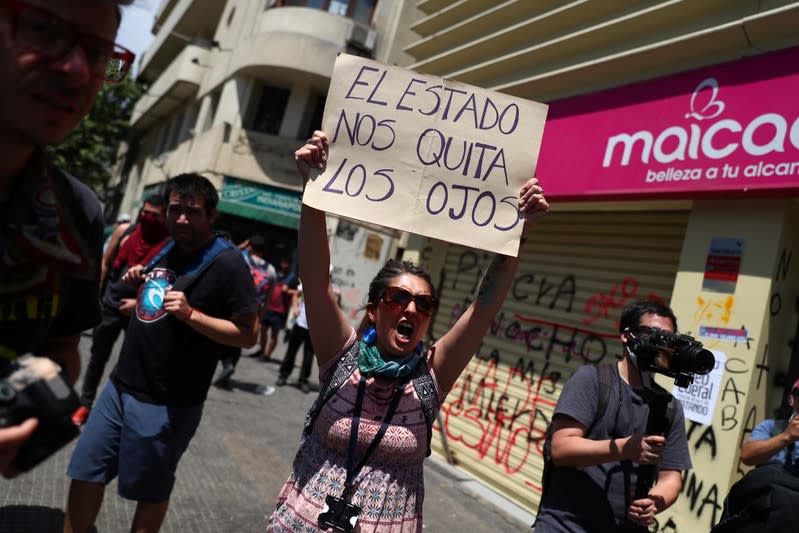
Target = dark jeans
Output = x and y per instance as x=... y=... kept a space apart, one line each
x=104 y=336
x=230 y=360
x=299 y=335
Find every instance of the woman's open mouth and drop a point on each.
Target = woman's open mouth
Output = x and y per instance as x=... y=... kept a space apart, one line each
x=405 y=331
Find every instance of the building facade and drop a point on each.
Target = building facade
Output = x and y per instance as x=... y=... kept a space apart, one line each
x=234 y=88
x=671 y=156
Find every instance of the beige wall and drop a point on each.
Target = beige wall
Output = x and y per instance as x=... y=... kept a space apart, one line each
x=748 y=391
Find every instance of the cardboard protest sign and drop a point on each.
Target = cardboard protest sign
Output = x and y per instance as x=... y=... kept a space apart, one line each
x=426 y=155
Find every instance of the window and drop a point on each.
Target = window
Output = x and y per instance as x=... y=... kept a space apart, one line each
x=270 y=111
x=358 y=10
x=213 y=104
x=318 y=4
x=316 y=117
x=338 y=7
x=362 y=10
x=187 y=129
x=174 y=131
x=161 y=144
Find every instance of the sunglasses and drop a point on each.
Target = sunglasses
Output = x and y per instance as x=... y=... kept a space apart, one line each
x=398 y=298
x=48 y=34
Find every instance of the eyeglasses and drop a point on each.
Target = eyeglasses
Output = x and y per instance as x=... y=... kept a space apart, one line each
x=48 y=34
x=175 y=210
x=398 y=298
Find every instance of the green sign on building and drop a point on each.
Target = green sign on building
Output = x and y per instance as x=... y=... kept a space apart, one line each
x=273 y=205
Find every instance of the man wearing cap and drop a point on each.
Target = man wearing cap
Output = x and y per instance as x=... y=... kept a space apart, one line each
x=774 y=441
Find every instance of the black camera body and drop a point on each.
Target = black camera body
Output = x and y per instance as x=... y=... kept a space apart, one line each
x=686 y=356
x=338 y=515
x=32 y=387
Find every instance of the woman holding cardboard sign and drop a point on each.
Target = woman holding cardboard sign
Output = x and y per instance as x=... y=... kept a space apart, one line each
x=359 y=467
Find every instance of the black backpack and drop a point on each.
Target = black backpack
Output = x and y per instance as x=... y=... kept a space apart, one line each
x=605 y=374
x=765 y=500
x=420 y=377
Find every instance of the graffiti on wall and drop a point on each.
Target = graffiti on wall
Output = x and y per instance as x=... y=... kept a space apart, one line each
x=500 y=408
x=606 y=305
x=783 y=265
x=500 y=412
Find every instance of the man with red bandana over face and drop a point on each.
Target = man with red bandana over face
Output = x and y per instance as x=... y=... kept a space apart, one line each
x=119 y=298
x=54 y=57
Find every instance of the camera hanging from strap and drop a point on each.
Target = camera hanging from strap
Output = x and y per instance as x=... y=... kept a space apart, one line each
x=338 y=513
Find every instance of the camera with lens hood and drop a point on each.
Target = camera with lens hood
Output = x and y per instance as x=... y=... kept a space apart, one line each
x=32 y=387
x=671 y=354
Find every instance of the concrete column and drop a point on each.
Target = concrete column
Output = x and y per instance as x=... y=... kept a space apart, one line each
x=748 y=326
x=233 y=101
x=204 y=117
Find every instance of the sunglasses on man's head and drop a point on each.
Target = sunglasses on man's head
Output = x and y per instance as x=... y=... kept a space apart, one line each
x=399 y=298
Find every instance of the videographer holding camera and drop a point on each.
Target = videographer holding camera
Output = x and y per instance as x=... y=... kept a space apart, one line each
x=605 y=450
x=54 y=57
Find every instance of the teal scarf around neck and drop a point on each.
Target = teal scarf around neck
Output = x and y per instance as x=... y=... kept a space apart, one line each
x=371 y=362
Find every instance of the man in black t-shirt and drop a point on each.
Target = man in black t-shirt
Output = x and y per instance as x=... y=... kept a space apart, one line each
x=195 y=297
x=51 y=225
x=597 y=456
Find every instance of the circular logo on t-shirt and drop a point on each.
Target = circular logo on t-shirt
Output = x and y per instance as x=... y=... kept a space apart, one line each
x=150 y=303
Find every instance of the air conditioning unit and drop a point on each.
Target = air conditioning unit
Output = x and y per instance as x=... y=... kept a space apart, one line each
x=362 y=37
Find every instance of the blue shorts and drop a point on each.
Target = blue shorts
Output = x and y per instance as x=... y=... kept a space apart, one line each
x=138 y=441
x=274 y=320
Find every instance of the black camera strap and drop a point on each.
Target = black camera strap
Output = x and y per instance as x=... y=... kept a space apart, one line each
x=352 y=469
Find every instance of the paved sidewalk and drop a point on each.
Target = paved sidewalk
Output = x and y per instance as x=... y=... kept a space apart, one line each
x=229 y=478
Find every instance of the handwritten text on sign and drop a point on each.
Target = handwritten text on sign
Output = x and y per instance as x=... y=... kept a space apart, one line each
x=426 y=155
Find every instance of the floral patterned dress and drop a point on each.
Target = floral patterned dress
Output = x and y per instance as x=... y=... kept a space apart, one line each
x=390 y=486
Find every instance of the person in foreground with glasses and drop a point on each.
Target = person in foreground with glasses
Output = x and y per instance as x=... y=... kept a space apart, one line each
x=369 y=430
x=54 y=56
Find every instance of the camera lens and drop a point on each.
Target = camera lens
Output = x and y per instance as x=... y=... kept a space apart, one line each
x=704 y=361
x=7 y=392
x=693 y=359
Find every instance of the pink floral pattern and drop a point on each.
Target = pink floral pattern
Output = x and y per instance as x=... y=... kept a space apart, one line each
x=389 y=488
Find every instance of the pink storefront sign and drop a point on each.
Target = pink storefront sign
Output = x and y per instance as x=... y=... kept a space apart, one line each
x=719 y=131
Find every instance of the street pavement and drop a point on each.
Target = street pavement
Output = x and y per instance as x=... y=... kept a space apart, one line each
x=230 y=476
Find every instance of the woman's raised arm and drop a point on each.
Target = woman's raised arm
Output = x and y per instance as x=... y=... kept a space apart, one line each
x=327 y=324
x=456 y=347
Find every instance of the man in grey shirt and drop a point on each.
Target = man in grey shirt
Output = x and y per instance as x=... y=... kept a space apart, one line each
x=596 y=456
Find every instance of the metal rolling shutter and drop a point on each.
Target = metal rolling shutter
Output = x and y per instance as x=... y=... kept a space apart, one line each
x=577 y=270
